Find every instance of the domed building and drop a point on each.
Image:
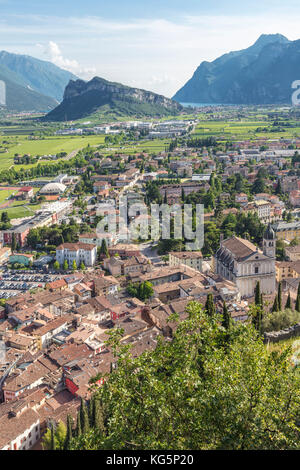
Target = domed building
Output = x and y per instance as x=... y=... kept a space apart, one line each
x=52 y=189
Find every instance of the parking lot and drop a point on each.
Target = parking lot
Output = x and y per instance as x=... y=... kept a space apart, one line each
x=13 y=283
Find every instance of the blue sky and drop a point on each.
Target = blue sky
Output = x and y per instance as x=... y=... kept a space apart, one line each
x=154 y=44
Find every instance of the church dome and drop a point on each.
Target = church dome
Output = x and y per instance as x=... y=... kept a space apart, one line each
x=269 y=233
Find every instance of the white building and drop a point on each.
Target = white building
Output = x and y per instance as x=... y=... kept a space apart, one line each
x=80 y=252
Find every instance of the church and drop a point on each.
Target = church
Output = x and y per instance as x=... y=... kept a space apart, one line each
x=241 y=262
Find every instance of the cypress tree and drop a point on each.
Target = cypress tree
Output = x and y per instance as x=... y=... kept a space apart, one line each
x=78 y=425
x=288 y=302
x=297 y=306
x=92 y=410
x=69 y=434
x=210 y=306
x=275 y=307
x=84 y=418
x=257 y=294
x=98 y=418
x=226 y=317
x=280 y=296
x=52 y=446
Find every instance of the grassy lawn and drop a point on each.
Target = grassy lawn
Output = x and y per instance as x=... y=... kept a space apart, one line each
x=19 y=210
x=5 y=193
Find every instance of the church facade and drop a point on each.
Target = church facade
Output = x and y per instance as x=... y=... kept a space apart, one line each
x=240 y=261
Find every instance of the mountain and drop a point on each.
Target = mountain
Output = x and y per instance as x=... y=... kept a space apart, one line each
x=41 y=76
x=82 y=99
x=261 y=74
x=19 y=97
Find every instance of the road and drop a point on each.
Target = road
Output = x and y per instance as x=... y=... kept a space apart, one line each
x=148 y=251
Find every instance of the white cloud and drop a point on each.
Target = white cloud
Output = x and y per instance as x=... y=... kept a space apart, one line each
x=54 y=54
x=157 y=54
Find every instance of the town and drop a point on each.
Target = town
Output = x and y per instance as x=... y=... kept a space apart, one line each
x=65 y=286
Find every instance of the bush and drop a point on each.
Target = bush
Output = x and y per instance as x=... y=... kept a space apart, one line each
x=279 y=320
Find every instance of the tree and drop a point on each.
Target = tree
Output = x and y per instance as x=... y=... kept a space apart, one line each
x=103 y=249
x=82 y=266
x=210 y=308
x=96 y=414
x=275 y=307
x=169 y=402
x=4 y=217
x=52 y=446
x=257 y=294
x=65 y=265
x=69 y=434
x=56 y=265
x=288 y=302
x=226 y=317
x=74 y=265
x=297 y=305
x=84 y=418
x=280 y=296
x=13 y=242
x=78 y=426
x=60 y=435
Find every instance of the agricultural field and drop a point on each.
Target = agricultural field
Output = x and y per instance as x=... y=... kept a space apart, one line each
x=45 y=146
x=238 y=130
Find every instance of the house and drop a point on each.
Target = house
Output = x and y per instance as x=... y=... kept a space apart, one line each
x=193 y=259
x=106 y=285
x=24 y=193
x=292 y=253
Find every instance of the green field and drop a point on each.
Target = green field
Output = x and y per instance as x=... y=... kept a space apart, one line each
x=46 y=146
x=244 y=129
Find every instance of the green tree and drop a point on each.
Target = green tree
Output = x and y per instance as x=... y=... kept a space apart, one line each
x=56 y=265
x=288 y=304
x=280 y=296
x=13 y=242
x=74 y=265
x=226 y=317
x=103 y=249
x=4 y=217
x=69 y=434
x=257 y=294
x=84 y=418
x=297 y=305
x=275 y=307
x=65 y=265
x=210 y=308
x=171 y=396
x=78 y=426
x=82 y=266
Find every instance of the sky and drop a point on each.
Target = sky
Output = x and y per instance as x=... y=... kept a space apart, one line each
x=156 y=44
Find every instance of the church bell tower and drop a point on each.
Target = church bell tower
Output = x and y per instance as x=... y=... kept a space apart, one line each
x=269 y=243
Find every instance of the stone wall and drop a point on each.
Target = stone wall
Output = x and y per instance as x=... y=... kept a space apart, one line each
x=287 y=333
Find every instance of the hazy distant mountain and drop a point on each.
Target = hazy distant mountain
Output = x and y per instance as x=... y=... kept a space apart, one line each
x=98 y=95
x=41 y=76
x=261 y=74
x=19 y=97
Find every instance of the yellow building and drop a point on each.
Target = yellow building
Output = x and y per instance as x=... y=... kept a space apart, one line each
x=287 y=230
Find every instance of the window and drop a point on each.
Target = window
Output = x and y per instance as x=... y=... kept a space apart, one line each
x=256 y=270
